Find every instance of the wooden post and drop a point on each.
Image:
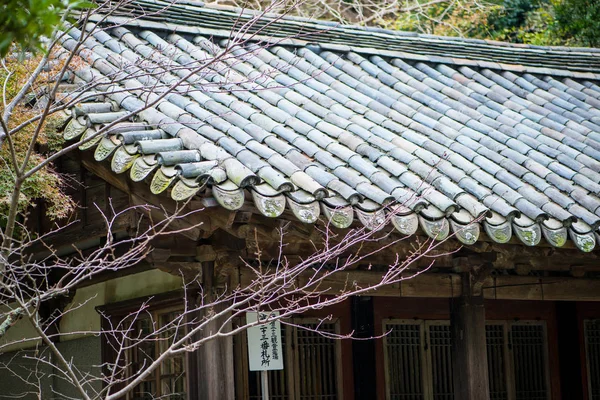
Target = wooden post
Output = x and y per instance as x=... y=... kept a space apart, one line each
x=469 y=353
x=214 y=379
x=363 y=351
x=264 y=384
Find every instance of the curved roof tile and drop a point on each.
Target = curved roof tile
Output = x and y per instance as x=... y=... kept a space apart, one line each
x=349 y=131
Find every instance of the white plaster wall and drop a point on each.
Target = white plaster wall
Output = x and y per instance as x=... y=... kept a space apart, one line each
x=82 y=319
x=81 y=314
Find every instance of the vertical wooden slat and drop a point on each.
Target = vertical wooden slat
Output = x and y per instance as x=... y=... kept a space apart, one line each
x=446 y=370
x=316 y=362
x=441 y=346
x=413 y=358
x=529 y=357
x=425 y=362
x=403 y=354
x=592 y=348
x=495 y=343
x=448 y=363
x=319 y=370
x=301 y=351
x=291 y=363
x=242 y=391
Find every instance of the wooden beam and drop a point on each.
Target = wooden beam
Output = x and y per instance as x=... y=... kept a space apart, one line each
x=546 y=288
x=301 y=241
x=431 y=285
x=257 y=230
x=518 y=256
x=100 y=170
x=174 y=246
x=78 y=237
x=187 y=227
x=188 y=270
x=192 y=226
x=110 y=275
x=424 y=285
x=449 y=285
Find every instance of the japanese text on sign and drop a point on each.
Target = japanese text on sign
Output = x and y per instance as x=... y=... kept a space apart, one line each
x=264 y=342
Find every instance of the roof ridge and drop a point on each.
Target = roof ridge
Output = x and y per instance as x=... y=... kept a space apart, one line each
x=200 y=5
x=197 y=18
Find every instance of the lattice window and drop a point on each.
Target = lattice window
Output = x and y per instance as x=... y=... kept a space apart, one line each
x=592 y=348
x=311 y=370
x=404 y=356
x=440 y=343
x=418 y=359
x=315 y=361
x=168 y=380
x=528 y=342
x=496 y=341
x=517 y=360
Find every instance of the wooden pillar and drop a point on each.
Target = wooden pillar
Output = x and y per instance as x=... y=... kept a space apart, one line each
x=569 y=350
x=363 y=351
x=214 y=378
x=469 y=354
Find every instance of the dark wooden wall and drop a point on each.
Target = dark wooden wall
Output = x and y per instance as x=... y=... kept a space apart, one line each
x=584 y=310
x=439 y=309
x=403 y=308
x=571 y=355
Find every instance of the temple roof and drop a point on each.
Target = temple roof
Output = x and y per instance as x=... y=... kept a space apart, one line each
x=351 y=124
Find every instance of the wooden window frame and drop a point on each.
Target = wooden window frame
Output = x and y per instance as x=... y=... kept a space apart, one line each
x=424 y=352
x=509 y=366
x=427 y=362
x=290 y=363
x=587 y=356
x=157 y=304
x=156 y=314
x=507 y=358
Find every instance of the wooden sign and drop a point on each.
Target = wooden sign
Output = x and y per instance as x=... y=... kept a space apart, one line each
x=264 y=342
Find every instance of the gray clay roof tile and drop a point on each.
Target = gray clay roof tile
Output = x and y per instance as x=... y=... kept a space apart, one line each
x=493 y=126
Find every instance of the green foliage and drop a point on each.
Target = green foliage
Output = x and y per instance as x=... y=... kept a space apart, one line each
x=512 y=14
x=579 y=21
x=26 y=22
x=446 y=19
x=46 y=184
x=524 y=21
x=537 y=22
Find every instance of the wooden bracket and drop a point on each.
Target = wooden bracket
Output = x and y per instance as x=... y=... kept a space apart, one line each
x=205 y=253
x=478 y=277
x=473 y=261
x=190 y=271
x=158 y=255
x=578 y=271
x=225 y=265
x=224 y=262
x=522 y=269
